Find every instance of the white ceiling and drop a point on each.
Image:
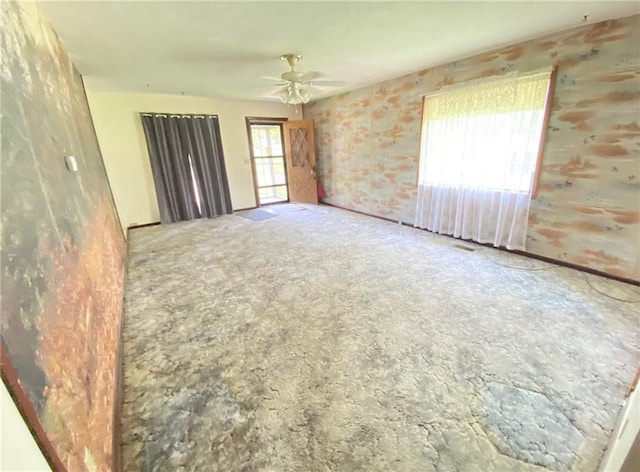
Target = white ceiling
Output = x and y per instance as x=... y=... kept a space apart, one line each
x=221 y=49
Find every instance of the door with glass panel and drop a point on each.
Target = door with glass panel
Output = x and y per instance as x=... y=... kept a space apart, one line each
x=269 y=165
x=299 y=147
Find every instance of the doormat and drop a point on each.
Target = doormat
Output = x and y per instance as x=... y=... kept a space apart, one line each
x=257 y=214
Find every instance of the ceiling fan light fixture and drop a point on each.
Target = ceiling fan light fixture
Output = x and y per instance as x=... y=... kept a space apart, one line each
x=293 y=94
x=305 y=94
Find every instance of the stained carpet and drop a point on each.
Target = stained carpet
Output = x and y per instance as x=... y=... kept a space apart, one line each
x=323 y=340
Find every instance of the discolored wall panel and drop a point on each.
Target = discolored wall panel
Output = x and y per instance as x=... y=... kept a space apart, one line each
x=587 y=211
x=62 y=248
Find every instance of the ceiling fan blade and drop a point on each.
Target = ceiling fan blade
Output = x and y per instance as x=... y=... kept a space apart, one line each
x=267 y=77
x=328 y=83
x=309 y=76
x=316 y=92
x=274 y=92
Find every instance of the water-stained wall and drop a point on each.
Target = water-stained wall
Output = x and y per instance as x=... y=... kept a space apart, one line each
x=587 y=211
x=62 y=249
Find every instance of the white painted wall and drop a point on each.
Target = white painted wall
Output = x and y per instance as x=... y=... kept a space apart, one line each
x=625 y=433
x=18 y=449
x=124 y=149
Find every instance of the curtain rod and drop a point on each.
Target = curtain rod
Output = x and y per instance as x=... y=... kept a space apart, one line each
x=165 y=115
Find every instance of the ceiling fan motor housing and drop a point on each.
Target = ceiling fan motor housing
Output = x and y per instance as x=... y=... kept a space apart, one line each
x=292 y=76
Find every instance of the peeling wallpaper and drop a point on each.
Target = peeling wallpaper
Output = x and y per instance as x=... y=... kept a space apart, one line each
x=587 y=211
x=62 y=250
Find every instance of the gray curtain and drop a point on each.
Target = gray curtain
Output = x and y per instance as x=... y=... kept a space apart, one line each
x=202 y=138
x=184 y=149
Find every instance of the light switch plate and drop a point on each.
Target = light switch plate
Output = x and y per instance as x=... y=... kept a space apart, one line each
x=71 y=163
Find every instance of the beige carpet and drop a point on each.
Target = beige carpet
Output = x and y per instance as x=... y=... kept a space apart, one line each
x=323 y=340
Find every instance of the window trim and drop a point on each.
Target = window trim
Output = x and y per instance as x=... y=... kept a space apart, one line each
x=543 y=135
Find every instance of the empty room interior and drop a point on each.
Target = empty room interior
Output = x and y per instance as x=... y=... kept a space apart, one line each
x=320 y=236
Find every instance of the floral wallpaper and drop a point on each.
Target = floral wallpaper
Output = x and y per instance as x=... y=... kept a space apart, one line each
x=587 y=210
x=62 y=249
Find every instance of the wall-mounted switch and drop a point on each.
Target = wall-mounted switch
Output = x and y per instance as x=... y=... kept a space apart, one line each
x=72 y=165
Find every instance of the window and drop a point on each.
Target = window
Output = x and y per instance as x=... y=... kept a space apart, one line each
x=479 y=157
x=485 y=136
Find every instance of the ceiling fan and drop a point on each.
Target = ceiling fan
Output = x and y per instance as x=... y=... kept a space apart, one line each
x=296 y=85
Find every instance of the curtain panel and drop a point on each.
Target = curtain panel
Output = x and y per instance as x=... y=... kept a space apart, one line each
x=479 y=151
x=494 y=217
x=187 y=163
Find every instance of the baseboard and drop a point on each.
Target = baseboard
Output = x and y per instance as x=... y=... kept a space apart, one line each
x=571 y=266
x=521 y=253
x=155 y=223
x=118 y=384
x=379 y=217
x=277 y=203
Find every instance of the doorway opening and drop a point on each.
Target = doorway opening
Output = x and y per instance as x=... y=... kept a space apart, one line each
x=266 y=143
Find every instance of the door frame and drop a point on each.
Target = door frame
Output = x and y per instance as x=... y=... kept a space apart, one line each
x=255 y=120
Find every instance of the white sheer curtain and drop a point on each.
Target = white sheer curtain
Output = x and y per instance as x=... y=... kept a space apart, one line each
x=478 y=157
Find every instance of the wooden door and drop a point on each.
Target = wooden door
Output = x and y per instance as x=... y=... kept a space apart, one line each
x=299 y=148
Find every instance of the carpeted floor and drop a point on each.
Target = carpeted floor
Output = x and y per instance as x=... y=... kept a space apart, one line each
x=323 y=340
